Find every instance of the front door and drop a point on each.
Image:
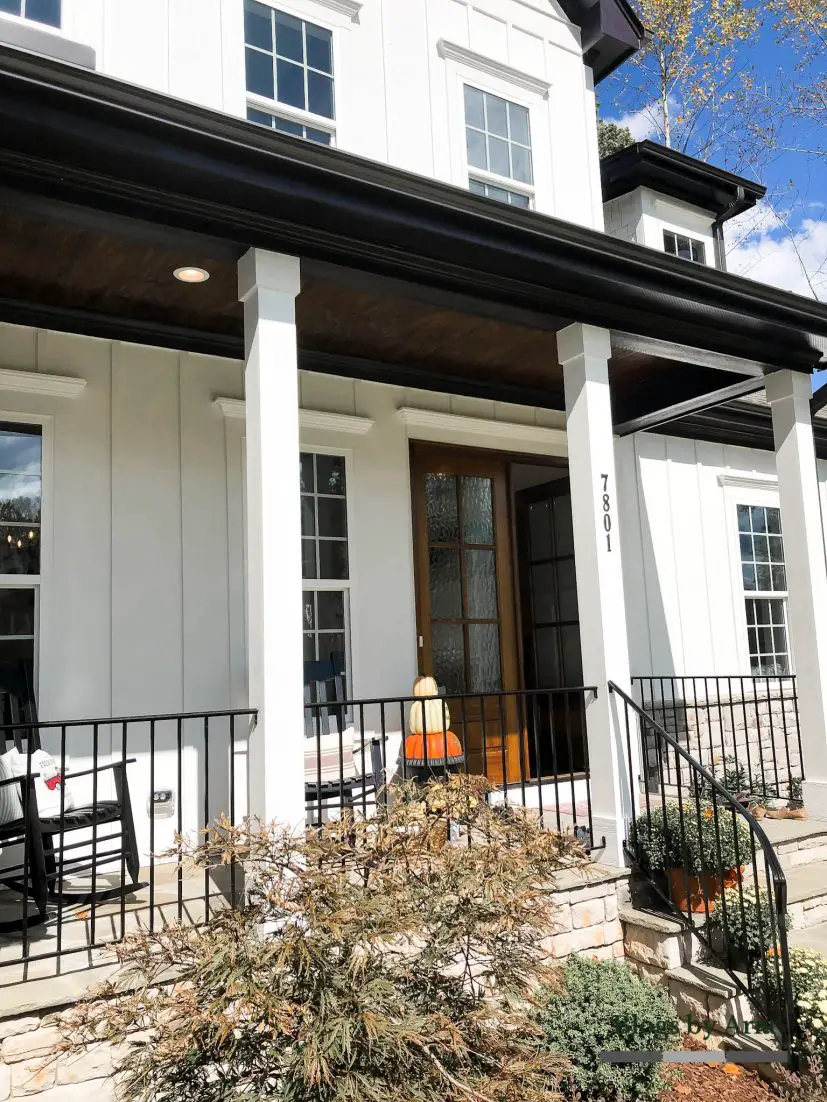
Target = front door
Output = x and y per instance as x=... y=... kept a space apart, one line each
x=550 y=623
x=465 y=601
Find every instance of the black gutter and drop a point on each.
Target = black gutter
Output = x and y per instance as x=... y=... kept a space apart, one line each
x=80 y=137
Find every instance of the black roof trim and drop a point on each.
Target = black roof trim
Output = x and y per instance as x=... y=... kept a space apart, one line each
x=610 y=32
x=79 y=137
x=647 y=164
x=740 y=424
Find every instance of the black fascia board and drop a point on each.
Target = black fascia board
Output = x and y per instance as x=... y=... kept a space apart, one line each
x=647 y=164
x=80 y=137
x=610 y=32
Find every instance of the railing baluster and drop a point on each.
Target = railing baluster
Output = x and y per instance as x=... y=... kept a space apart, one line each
x=151 y=825
x=123 y=840
x=206 y=811
x=179 y=823
x=535 y=724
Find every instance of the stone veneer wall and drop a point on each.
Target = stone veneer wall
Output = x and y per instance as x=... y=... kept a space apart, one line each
x=587 y=922
x=760 y=733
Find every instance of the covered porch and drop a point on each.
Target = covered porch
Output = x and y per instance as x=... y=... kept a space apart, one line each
x=391 y=413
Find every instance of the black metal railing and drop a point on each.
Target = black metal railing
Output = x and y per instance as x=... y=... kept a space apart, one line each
x=95 y=803
x=745 y=730
x=708 y=859
x=530 y=744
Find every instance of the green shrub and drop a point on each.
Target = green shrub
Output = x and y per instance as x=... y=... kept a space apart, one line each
x=688 y=837
x=605 y=1007
x=741 y=926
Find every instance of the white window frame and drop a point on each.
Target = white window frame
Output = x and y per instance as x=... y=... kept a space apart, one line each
x=336 y=585
x=284 y=110
x=762 y=492
x=42 y=612
x=687 y=236
x=541 y=192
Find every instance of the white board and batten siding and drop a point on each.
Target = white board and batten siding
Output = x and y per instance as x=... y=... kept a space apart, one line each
x=398 y=73
x=684 y=599
x=141 y=607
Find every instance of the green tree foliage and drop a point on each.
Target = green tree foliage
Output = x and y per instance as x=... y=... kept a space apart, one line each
x=378 y=960
x=611 y=138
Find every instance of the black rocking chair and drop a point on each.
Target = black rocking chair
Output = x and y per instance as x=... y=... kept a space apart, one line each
x=44 y=838
x=337 y=778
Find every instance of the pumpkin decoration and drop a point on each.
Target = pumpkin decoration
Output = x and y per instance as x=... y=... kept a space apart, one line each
x=430 y=741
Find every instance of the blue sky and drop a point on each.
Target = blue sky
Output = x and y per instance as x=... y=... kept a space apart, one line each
x=761 y=246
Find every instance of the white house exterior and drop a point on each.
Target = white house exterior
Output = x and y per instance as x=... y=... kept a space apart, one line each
x=176 y=552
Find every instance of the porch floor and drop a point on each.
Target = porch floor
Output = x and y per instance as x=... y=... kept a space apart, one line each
x=73 y=931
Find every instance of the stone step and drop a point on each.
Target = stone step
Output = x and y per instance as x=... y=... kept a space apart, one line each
x=807 y=895
x=656 y=941
x=810 y=937
x=797 y=842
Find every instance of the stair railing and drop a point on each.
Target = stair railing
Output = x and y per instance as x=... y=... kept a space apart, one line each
x=708 y=859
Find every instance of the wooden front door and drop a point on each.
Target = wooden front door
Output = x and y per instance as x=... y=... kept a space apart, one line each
x=551 y=623
x=465 y=600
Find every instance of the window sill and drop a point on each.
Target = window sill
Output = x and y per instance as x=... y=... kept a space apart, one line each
x=40 y=38
x=293 y=114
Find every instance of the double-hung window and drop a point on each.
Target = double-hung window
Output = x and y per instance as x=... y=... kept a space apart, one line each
x=39 y=11
x=498 y=145
x=325 y=559
x=765 y=588
x=21 y=464
x=289 y=67
x=687 y=248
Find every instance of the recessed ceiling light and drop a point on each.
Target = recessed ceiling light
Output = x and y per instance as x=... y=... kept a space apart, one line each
x=192 y=275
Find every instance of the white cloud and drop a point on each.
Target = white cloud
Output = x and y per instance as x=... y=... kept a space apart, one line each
x=795 y=260
x=643 y=123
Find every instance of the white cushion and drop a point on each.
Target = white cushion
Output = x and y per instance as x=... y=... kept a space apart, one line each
x=11 y=807
x=47 y=785
x=321 y=757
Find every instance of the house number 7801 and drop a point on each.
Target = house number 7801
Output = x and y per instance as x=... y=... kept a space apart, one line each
x=607 y=512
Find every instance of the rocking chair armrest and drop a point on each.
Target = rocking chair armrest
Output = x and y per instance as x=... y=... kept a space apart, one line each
x=99 y=769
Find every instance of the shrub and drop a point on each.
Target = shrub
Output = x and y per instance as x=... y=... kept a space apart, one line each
x=677 y=838
x=604 y=1007
x=375 y=960
x=749 y=922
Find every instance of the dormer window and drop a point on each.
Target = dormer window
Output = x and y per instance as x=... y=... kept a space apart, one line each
x=687 y=248
x=39 y=11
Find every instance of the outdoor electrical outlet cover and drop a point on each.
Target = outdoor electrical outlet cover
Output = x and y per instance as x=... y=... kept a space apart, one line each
x=161 y=804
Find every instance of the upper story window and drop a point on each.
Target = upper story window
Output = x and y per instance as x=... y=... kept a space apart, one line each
x=40 y=11
x=498 y=142
x=20 y=489
x=289 y=64
x=765 y=588
x=687 y=248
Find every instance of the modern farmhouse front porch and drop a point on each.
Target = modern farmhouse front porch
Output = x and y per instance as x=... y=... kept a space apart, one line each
x=390 y=433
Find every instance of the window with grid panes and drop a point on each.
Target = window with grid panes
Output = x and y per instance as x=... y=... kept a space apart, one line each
x=498 y=145
x=764 y=577
x=325 y=566
x=39 y=11
x=687 y=248
x=290 y=63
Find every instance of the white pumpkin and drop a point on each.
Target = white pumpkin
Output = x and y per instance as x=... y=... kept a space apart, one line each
x=436 y=714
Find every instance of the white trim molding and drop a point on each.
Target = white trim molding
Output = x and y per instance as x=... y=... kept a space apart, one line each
x=452 y=424
x=235 y=408
x=748 y=482
x=349 y=8
x=36 y=382
x=450 y=51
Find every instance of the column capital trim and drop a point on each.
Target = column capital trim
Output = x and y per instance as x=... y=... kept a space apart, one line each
x=787 y=384
x=583 y=340
x=259 y=268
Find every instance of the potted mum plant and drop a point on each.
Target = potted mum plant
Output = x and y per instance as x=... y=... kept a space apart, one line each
x=697 y=848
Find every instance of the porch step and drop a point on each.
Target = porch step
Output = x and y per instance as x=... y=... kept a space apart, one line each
x=810 y=937
x=807 y=894
x=796 y=842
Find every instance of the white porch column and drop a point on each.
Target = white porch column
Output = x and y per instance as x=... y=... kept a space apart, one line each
x=583 y=351
x=267 y=285
x=789 y=393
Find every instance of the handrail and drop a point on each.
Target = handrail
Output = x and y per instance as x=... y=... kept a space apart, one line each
x=778 y=992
